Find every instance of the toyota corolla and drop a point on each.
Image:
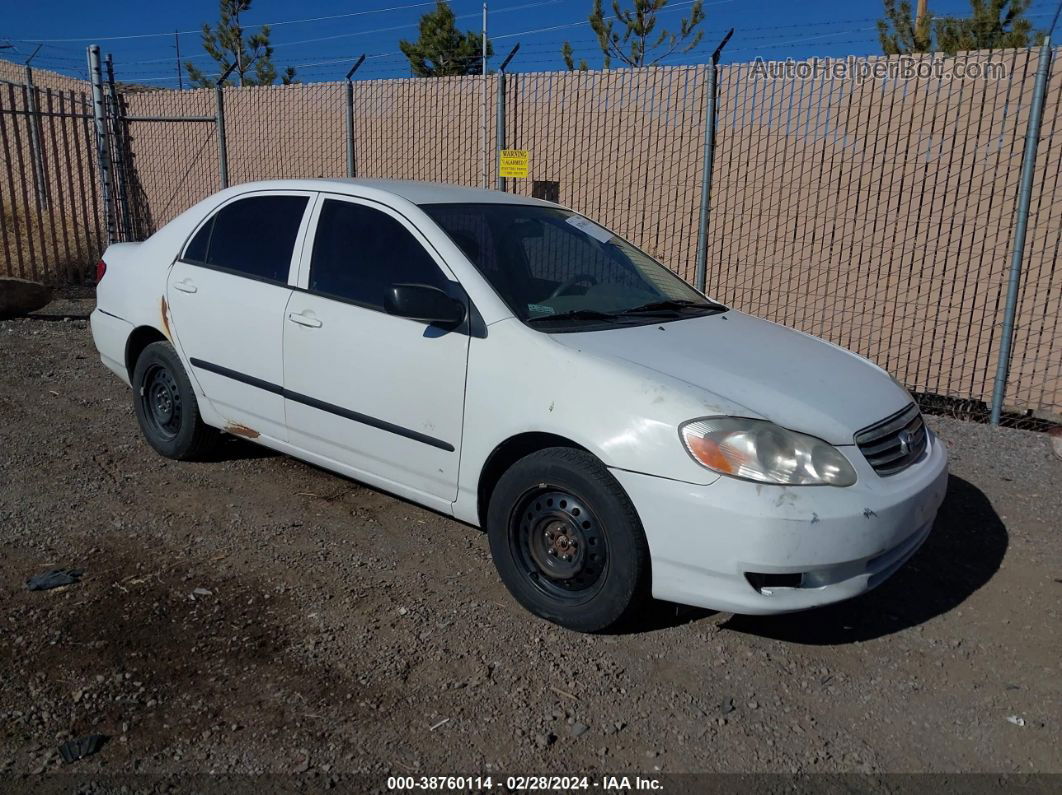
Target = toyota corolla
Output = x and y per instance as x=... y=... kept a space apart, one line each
x=513 y=364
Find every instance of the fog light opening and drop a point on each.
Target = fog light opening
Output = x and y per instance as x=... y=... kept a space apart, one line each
x=767 y=583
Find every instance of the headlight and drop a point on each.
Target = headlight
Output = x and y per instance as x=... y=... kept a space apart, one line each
x=761 y=451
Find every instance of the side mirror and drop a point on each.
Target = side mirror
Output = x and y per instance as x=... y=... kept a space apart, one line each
x=424 y=303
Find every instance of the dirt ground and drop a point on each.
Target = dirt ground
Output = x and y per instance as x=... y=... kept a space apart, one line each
x=256 y=614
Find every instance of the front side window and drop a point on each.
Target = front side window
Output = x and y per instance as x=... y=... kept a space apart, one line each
x=360 y=252
x=559 y=271
x=253 y=237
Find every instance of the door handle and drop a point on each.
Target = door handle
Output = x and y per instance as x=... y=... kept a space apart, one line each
x=185 y=286
x=304 y=320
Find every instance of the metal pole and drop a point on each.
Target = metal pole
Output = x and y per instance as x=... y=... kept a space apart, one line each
x=351 y=169
x=120 y=172
x=1028 y=166
x=352 y=166
x=180 y=74
x=483 y=130
x=103 y=152
x=219 y=119
x=500 y=182
x=700 y=276
x=239 y=42
x=35 y=135
x=500 y=144
x=223 y=151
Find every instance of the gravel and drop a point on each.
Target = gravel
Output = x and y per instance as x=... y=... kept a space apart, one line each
x=256 y=614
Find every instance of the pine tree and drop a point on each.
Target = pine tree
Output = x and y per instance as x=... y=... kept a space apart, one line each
x=992 y=25
x=569 y=58
x=227 y=46
x=442 y=50
x=636 y=45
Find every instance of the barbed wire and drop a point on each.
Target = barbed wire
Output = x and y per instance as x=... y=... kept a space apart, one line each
x=170 y=33
x=767 y=38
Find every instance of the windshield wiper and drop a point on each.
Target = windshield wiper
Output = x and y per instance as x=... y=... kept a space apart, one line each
x=577 y=314
x=670 y=306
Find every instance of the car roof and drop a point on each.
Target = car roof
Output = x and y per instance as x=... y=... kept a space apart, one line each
x=410 y=190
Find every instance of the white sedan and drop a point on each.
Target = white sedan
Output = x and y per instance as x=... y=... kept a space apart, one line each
x=513 y=364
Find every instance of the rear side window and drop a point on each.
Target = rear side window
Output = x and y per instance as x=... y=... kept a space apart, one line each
x=359 y=252
x=253 y=237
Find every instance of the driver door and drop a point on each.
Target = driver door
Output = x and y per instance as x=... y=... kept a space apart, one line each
x=379 y=394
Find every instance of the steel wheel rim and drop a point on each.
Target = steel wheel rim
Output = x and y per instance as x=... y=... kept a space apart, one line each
x=160 y=397
x=559 y=544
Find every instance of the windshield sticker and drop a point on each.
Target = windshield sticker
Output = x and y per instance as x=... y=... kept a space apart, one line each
x=541 y=309
x=588 y=227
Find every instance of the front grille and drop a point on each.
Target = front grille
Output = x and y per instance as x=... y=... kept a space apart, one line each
x=892 y=445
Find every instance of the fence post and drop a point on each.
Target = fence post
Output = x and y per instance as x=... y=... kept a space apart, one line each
x=700 y=276
x=219 y=120
x=120 y=151
x=500 y=128
x=36 y=152
x=500 y=122
x=223 y=150
x=1028 y=167
x=485 y=110
x=103 y=153
x=352 y=166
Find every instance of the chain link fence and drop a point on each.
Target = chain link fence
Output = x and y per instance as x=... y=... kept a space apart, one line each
x=874 y=209
x=879 y=214
x=51 y=228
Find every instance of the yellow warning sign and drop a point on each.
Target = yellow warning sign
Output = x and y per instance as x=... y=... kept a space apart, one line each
x=513 y=163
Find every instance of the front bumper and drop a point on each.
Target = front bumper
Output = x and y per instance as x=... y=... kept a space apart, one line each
x=834 y=543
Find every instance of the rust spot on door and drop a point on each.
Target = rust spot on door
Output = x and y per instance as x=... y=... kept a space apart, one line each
x=165 y=317
x=241 y=430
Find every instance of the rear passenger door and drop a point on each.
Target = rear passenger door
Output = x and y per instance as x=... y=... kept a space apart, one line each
x=381 y=395
x=227 y=294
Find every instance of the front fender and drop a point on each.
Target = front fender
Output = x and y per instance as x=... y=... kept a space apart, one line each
x=521 y=381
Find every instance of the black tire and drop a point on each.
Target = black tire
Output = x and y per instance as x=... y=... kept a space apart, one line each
x=166 y=408
x=567 y=541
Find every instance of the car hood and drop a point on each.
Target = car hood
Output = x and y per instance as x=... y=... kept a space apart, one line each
x=760 y=368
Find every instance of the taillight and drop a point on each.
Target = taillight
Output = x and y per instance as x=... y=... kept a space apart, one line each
x=101 y=269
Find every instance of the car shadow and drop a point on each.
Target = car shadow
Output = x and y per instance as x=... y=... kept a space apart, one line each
x=655 y=616
x=964 y=550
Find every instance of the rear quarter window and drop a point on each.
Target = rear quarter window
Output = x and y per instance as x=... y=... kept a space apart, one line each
x=252 y=237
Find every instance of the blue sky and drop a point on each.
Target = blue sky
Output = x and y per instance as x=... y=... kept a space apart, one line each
x=140 y=35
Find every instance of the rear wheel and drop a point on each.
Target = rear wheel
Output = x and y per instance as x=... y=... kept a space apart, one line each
x=567 y=541
x=166 y=407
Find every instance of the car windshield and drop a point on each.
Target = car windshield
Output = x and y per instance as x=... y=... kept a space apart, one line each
x=558 y=270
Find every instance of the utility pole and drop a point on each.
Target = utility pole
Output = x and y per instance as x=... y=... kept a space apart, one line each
x=239 y=44
x=921 y=28
x=177 y=44
x=486 y=149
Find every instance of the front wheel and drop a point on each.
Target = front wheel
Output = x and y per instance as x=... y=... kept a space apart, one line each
x=567 y=541
x=165 y=405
